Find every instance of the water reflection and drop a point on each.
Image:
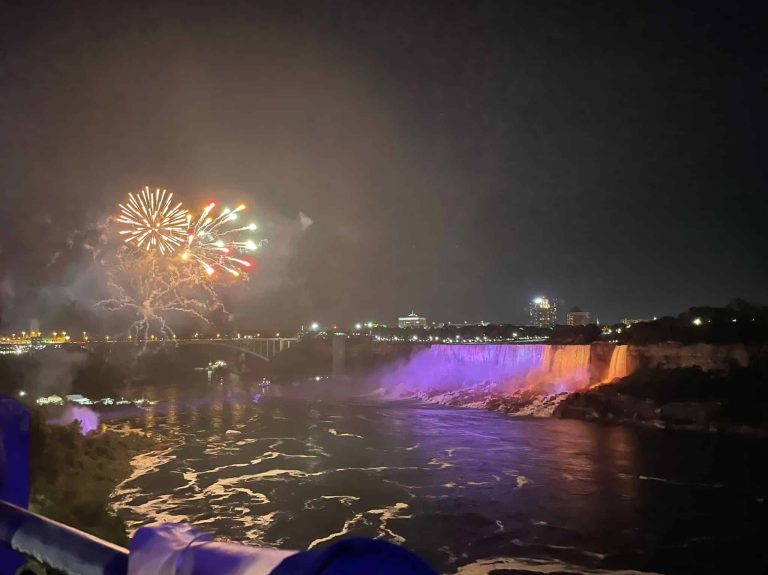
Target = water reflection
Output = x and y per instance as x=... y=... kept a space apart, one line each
x=456 y=485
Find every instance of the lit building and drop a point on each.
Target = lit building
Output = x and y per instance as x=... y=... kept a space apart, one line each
x=543 y=312
x=411 y=321
x=630 y=321
x=577 y=317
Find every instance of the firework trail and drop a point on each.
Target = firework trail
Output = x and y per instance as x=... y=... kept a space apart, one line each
x=153 y=287
x=152 y=222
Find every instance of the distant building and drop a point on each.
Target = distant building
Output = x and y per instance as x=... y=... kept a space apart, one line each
x=628 y=321
x=543 y=312
x=51 y=400
x=411 y=321
x=34 y=327
x=577 y=316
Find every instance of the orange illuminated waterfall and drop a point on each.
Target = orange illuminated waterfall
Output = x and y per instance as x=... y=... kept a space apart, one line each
x=619 y=366
x=565 y=367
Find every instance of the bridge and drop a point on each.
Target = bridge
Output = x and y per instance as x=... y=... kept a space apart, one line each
x=265 y=348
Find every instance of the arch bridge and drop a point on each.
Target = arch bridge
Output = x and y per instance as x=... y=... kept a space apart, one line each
x=265 y=348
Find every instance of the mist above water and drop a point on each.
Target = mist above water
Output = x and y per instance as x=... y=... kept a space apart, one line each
x=89 y=419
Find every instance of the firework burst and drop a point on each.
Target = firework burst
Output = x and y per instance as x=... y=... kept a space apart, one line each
x=153 y=224
x=217 y=242
x=168 y=261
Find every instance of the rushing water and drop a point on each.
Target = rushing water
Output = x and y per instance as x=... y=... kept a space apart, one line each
x=469 y=490
x=549 y=368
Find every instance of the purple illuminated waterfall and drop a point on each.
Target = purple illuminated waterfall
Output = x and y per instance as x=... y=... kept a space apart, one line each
x=508 y=368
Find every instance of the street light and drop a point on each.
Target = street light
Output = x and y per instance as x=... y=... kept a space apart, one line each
x=315 y=326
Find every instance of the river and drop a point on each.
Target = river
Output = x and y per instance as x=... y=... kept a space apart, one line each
x=470 y=491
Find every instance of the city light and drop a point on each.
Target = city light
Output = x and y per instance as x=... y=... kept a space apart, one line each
x=697 y=321
x=315 y=326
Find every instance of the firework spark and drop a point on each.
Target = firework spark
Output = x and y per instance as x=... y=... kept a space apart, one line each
x=167 y=263
x=216 y=242
x=153 y=223
x=153 y=289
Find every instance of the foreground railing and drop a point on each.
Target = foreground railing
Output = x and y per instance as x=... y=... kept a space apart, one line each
x=57 y=546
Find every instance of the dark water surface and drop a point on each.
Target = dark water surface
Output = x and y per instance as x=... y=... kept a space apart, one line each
x=471 y=491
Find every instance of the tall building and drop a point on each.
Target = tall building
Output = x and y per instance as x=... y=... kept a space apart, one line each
x=577 y=316
x=34 y=326
x=543 y=312
x=411 y=320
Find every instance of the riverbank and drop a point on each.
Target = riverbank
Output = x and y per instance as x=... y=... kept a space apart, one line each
x=684 y=398
x=689 y=398
x=73 y=474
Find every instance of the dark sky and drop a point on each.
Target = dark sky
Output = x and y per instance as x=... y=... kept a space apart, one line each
x=456 y=158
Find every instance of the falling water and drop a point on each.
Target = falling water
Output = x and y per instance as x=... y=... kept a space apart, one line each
x=619 y=366
x=565 y=367
x=510 y=367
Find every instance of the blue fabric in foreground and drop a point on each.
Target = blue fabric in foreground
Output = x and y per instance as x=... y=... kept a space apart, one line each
x=355 y=557
x=14 y=468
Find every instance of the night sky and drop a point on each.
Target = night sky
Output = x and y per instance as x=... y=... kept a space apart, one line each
x=455 y=158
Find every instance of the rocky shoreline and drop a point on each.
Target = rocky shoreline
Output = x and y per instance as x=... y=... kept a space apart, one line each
x=606 y=405
x=522 y=403
x=679 y=398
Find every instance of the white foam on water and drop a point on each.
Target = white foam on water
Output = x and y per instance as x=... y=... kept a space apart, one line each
x=440 y=464
x=531 y=565
x=126 y=492
x=258 y=526
x=332 y=431
x=387 y=513
x=349 y=524
x=316 y=503
x=156 y=510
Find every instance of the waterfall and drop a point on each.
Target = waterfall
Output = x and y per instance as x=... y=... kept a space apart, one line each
x=565 y=367
x=619 y=366
x=508 y=367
